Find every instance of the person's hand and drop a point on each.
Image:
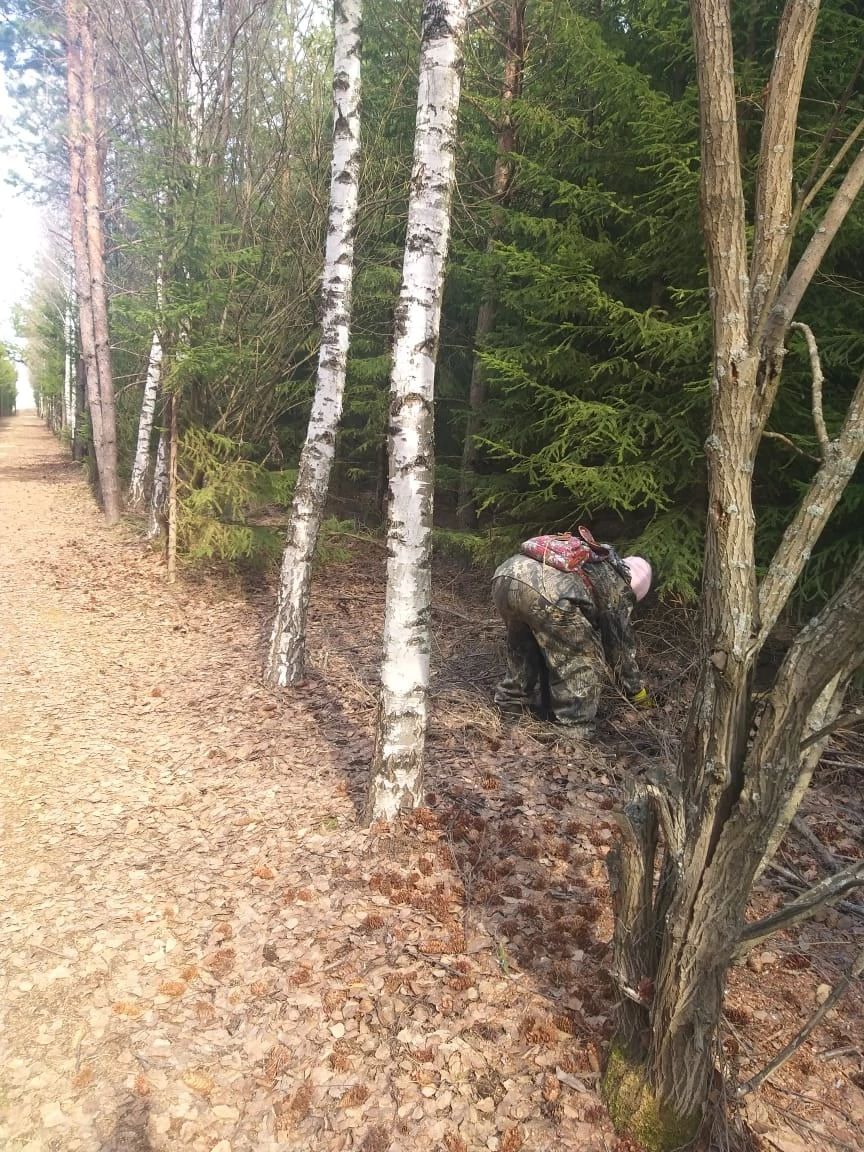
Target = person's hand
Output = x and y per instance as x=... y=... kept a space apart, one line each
x=642 y=700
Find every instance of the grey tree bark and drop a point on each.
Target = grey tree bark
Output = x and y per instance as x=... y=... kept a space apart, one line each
x=740 y=760
x=92 y=170
x=78 y=225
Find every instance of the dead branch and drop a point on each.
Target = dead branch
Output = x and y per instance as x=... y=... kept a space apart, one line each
x=842 y=153
x=786 y=304
x=812 y=515
x=806 y=833
x=818 y=381
x=790 y=444
x=802 y=908
x=798 y=1039
x=848 y=721
x=828 y=135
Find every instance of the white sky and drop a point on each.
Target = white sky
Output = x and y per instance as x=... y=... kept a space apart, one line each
x=21 y=231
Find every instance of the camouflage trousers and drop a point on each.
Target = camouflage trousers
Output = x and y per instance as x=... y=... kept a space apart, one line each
x=550 y=648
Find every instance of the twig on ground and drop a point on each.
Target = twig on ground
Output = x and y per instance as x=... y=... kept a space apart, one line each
x=785 y=1054
x=806 y=833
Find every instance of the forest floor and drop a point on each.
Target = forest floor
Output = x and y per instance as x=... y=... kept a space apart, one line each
x=200 y=948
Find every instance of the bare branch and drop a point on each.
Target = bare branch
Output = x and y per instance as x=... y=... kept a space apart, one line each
x=833 y=166
x=848 y=721
x=813 y=513
x=804 y=907
x=787 y=302
x=779 y=436
x=774 y=182
x=828 y=135
x=825 y=711
x=818 y=381
x=798 y=1039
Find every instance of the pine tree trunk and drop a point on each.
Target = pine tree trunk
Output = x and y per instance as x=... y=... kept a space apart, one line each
x=288 y=640
x=79 y=429
x=78 y=227
x=514 y=68
x=69 y=370
x=109 y=480
x=159 y=493
x=141 y=463
x=397 y=772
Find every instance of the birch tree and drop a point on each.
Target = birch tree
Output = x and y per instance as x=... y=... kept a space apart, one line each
x=141 y=462
x=397 y=771
x=152 y=385
x=159 y=491
x=712 y=824
x=288 y=640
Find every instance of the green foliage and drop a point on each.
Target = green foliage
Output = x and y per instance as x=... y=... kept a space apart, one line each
x=598 y=360
x=222 y=494
x=482 y=549
x=673 y=541
x=8 y=384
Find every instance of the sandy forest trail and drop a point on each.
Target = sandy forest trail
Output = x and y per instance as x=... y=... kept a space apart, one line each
x=200 y=948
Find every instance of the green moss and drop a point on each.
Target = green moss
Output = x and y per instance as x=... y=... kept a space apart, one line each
x=634 y=1109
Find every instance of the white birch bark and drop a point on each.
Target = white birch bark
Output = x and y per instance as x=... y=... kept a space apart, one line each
x=288 y=639
x=159 y=495
x=397 y=772
x=141 y=462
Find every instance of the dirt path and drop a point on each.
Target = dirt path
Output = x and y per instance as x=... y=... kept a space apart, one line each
x=200 y=949
x=192 y=953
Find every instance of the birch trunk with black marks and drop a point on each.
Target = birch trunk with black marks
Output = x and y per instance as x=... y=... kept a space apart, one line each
x=141 y=463
x=159 y=492
x=288 y=640
x=740 y=760
x=502 y=180
x=397 y=772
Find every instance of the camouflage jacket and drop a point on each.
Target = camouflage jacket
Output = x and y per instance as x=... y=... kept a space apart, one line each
x=604 y=597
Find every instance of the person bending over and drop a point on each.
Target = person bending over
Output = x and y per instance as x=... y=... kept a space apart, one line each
x=566 y=601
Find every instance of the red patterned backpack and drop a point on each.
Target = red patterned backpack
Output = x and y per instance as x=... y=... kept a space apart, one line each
x=564 y=551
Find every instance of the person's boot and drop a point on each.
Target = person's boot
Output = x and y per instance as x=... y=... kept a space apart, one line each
x=575 y=735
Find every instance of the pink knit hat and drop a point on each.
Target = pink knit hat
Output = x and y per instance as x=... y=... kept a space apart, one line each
x=640 y=575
